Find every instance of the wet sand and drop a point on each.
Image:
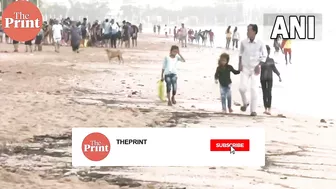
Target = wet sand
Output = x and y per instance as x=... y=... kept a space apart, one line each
x=45 y=94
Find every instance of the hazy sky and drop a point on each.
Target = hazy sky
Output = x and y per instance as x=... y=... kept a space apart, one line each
x=320 y=5
x=151 y=2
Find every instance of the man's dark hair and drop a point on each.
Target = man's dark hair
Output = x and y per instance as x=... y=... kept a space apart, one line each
x=254 y=27
x=85 y=19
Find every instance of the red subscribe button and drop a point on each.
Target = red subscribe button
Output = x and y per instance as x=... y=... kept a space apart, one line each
x=240 y=145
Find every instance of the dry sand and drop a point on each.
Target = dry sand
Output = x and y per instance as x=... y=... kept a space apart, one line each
x=44 y=95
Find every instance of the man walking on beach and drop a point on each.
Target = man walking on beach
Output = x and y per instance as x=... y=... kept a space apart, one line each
x=107 y=32
x=57 y=35
x=114 y=33
x=183 y=36
x=252 y=54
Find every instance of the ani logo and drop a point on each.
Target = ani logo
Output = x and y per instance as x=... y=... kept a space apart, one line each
x=294 y=27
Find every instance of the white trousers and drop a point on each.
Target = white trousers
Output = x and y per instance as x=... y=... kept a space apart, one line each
x=57 y=40
x=248 y=79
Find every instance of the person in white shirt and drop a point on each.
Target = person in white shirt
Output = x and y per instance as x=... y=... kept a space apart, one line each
x=169 y=72
x=107 y=32
x=114 y=33
x=183 y=36
x=57 y=35
x=235 y=38
x=252 y=54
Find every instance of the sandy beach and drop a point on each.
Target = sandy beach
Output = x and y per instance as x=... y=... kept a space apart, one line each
x=45 y=94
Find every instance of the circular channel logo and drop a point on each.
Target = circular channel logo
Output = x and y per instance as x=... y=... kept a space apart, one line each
x=96 y=146
x=22 y=20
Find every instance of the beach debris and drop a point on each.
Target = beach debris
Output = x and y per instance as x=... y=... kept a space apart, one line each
x=282 y=116
x=193 y=106
x=70 y=173
x=236 y=103
x=149 y=186
x=323 y=121
x=123 y=182
x=212 y=167
x=172 y=121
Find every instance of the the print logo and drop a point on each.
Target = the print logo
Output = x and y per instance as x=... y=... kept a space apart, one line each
x=96 y=146
x=22 y=20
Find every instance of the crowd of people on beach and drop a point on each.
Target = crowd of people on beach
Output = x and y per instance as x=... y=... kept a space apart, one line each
x=193 y=36
x=65 y=31
x=199 y=37
x=255 y=66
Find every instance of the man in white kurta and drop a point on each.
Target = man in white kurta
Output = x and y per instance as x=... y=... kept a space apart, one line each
x=57 y=29
x=252 y=54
